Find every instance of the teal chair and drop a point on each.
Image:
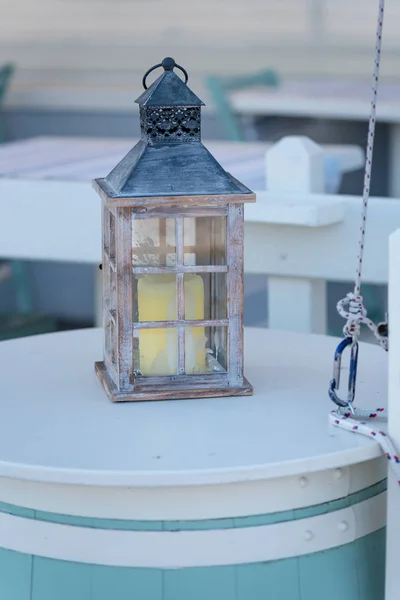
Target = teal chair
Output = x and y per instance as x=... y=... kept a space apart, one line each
x=220 y=87
x=6 y=73
x=14 y=273
x=23 y=321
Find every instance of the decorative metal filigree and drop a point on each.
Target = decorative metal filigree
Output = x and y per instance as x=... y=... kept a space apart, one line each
x=172 y=123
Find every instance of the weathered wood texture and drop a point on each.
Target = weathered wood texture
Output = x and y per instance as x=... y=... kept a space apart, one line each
x=167 y=213
x=182 y=269
x=235 y=250
x=180 y=295
x=174 y=201
x=214 y=246
x=109 y=293
x=182 y=322
x=177 y=392
x=124 y=297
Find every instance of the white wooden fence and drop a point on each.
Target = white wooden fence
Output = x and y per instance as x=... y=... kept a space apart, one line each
x=295 y=235
x=302 y=238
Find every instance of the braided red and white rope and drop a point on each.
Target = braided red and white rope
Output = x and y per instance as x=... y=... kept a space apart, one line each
x=357 y=424
x=352 y=308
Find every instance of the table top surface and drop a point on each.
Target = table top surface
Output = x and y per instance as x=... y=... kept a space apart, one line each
x=324 y=98
x=58 y=425
x=83 y=159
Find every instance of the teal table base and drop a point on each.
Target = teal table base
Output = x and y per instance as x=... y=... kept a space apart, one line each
x=353 y=571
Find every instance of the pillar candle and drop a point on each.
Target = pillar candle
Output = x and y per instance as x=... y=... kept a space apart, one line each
x=157 y=301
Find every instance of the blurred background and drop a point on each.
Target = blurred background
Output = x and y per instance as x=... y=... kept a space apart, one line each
x=78 y=66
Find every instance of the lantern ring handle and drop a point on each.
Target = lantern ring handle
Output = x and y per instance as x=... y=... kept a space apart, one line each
x=168 y=64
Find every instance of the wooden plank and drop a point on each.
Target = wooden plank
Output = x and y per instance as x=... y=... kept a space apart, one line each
x=171 y=383
x=182 y=269
x=110 y=259
x=180 y=294
x=106 y=287
x=177 y=212
x=124 y=297
x=181 y=323
x=176 y=391
x=184 y=201
x=235 y=234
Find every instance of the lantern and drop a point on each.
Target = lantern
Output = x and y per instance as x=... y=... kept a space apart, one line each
x=172 y=258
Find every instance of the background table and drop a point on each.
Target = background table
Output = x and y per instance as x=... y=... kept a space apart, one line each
x=330 y=99
x=254 y=492
x=83 y=159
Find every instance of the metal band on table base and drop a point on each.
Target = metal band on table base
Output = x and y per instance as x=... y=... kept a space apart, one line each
x=201 y=548
x=193 y=503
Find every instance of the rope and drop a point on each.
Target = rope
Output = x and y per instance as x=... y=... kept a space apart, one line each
x=357 y=424
x=356 y=313
x=352 y=308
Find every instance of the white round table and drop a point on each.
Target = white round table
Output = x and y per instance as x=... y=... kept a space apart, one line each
x=239 y=490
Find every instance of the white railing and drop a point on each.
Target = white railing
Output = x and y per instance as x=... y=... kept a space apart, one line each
x=301 y=238
x=295 y=235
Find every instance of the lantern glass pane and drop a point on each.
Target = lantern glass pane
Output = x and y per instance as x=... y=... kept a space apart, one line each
x=204 y=240
x=153 y=242
x=205 y=350
x=156 y=351
x=205 y=296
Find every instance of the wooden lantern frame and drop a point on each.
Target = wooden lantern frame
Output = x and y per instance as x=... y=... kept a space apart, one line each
x=120 y=377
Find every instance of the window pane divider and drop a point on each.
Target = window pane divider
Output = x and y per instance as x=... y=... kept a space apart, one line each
x=180 y=294
x=180 y=323
x=219 y=211
x=182 y=269
x=205 y=380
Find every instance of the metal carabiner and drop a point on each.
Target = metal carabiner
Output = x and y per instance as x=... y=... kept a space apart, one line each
x=335 y=381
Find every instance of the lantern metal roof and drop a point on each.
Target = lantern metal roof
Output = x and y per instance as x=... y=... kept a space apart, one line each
x=170 y=159
x=169 y=90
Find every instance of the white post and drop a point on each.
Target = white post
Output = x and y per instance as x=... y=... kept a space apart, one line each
x=296 y=164
x=393 y=516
